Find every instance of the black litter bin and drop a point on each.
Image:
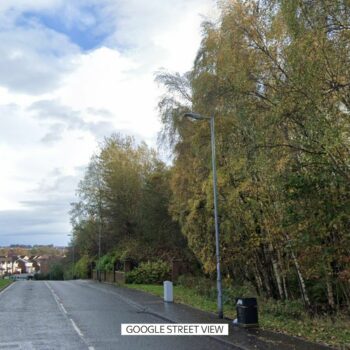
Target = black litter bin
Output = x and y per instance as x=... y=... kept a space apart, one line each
x=247 y=312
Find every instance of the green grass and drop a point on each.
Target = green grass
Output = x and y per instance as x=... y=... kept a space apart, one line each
x=4 y=283
x=318 y=329
x=272 y=316
x=182 y=295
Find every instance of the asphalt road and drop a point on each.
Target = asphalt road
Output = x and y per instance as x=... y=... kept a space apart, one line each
x=79 y=315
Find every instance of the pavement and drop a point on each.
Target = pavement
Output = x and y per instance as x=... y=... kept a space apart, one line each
x=240 y=338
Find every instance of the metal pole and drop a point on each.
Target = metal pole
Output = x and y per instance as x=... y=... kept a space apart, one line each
x=217 y=233
x=99 y=223
x=99 y=253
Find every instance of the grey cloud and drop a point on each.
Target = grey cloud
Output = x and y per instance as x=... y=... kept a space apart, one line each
x=10 y=217
x=55 y=206
x=55 y=187
x=55 y=172
x=51 y=110
x=101 y=129
x=43 y=220
x=54 y=135
x=17 y=225
x=61 y=185
x=31 y=227
x=100 y=112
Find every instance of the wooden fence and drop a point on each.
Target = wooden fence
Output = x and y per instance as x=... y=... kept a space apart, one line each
x=109 y=276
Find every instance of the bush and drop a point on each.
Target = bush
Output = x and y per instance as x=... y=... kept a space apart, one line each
x=41 y=276
x=81 y=267
x=56 y=272
x=106 y=263
x=149 y=273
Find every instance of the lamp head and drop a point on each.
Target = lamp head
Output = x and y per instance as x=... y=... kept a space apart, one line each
x=195 y=116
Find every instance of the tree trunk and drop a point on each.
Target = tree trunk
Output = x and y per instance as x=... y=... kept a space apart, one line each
x=301 y=281
x=284 y=281
x=299 y=274
x=258 y=280
x=330 y=295
x=345 y=293
x=276 y=271
x=265 y=273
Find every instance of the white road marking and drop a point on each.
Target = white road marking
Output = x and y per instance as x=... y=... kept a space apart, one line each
x=23 y=345
x=57 y=299
x=77 y=329
x=62 y=308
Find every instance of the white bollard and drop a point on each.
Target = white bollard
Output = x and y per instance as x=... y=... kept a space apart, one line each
x=168 y=291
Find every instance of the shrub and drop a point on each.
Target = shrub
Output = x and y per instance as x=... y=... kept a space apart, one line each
x=41 y=276
x=106 y=263
x=56 y=272
x=81 y=267
x=149 y=273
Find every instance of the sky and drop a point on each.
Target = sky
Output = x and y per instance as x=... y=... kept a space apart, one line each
x=72 y=73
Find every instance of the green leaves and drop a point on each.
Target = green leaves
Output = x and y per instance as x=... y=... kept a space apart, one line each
x=149 y=273
x=276 y=75
x=124 y=197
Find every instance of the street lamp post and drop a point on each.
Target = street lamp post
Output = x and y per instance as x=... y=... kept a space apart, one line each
x=217 y=232
x=99 y=252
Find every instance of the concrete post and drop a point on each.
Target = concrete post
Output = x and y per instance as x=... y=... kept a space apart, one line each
x=168 y=291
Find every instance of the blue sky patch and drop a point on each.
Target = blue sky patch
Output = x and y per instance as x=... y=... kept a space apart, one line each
x=86 y=28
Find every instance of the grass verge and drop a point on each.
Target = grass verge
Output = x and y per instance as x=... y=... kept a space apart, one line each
x=272 y=316
x=4 y=284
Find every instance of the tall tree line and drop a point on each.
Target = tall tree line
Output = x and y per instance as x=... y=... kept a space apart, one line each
x=276 y=76
x=123 y=206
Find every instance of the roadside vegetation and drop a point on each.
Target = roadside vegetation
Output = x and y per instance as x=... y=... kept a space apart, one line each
x=276 y=76
x=287 y=317
x=4 y=283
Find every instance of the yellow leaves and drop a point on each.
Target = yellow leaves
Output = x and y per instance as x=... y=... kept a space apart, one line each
x=281 y=164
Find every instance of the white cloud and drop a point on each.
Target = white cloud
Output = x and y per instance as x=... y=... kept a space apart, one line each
x=58 y=99
x=34 y=59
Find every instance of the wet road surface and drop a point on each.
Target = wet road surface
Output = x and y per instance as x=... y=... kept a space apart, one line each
x=79 y=315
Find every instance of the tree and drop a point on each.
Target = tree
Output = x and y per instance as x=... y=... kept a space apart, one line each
x=275 y=74
x=125 y=193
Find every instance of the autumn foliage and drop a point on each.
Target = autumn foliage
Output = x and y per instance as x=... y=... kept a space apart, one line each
x=276 y=76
